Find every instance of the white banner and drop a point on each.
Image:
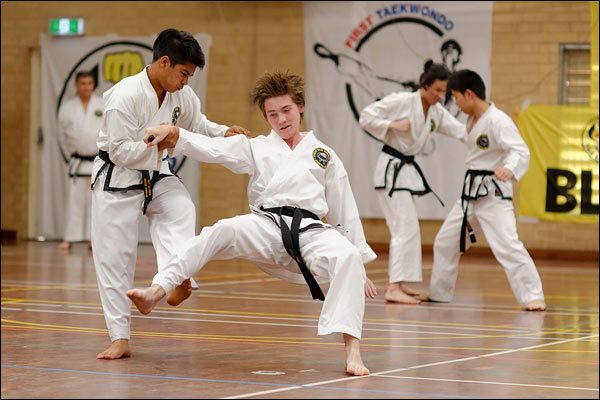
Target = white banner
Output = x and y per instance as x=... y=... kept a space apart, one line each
x=112 y=58
x=357 y=52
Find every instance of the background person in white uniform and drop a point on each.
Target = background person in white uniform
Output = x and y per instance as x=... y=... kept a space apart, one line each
x=405 y=123
x=295 y=181
x=130 y=180
x=496 y=155
x=79 y=121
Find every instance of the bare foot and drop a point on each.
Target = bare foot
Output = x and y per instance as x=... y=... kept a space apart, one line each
x=409 y=291
x=118 y=349
x=64 y=247
x=536 y=305
x=394 y=294
x=146 y=299
x=354 y=364
x=180 y=293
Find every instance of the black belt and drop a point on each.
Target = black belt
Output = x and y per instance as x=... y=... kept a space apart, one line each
x=85 y=158
x=291 y=241
x=464 y=199
x=404 y=159
x=147 y=182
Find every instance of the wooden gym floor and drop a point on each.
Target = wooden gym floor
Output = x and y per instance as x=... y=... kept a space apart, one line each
x=245 y=334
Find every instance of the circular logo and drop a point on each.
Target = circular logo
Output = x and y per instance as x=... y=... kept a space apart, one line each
x=589 y=139
x=483 y=142
x=321 y=157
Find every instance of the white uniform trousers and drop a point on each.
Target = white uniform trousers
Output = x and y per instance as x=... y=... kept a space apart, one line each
x=78 y=210
x=257 y=238
x=405 y=245
x=496 y=219
x=115 y=218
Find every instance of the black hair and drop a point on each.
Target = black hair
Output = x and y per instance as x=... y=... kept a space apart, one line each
x=179 y=46
x=85 y=74
x=433 y=72
x=466 y=79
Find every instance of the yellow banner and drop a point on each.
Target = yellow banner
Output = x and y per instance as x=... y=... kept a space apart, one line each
x=562 y=181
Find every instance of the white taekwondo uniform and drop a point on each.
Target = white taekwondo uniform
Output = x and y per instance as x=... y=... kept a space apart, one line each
x=119 y=191
x=397 y=177
x=486 y=205
x=312 y=178
x=78 y=129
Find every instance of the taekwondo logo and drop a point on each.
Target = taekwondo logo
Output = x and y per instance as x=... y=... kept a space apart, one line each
x=483 y=142
x=109 y=63
x=321 y=157
x=589 y=139
x=432 y=126
x=393 y=69
x=175 y=115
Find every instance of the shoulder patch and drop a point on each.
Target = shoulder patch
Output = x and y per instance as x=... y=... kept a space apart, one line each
x=321 y=157
x=483 y=142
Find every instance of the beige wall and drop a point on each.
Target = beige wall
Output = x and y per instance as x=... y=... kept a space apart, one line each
x=250 y=38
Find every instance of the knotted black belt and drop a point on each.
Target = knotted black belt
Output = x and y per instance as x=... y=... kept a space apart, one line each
x=291 y=241
x=404 y=159
x=464 y=200
x=147 y=182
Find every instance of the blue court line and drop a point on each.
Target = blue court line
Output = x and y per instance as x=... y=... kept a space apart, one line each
x=184 y=378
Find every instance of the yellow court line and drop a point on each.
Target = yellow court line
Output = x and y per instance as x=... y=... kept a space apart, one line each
x=260 y=340
x=313 y=317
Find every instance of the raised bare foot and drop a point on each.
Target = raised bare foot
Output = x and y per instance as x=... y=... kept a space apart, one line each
x=180 y=293
x=118 y=349
x=536 y=305
x=354 y=364
x=146 y=299
x=64 y=247
x=394 y=294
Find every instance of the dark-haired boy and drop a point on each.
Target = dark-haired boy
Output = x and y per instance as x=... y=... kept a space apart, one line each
x=496 y=155
x=130 y=179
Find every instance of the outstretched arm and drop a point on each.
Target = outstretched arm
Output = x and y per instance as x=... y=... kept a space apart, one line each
x=234 y=153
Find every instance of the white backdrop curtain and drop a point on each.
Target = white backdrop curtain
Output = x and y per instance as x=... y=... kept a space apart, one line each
x=112 y=58
x=359 y=51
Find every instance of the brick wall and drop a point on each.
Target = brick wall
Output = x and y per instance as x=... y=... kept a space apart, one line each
x=250 y=38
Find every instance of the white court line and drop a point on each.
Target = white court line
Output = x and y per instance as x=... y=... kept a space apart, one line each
x=515 y=332
x=487 y=382
x=469 y=336
x=404 y=369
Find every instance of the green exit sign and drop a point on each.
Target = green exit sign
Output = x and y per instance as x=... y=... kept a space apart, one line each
x=66 y=26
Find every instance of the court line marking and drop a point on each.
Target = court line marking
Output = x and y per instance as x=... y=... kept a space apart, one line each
x=487 y=382
x=183 y=378
x=407 y=368
x=254 y=339
x=461 y=336
x=306 y=317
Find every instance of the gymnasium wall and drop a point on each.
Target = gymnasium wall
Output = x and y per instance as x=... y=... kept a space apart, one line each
x=250 y=38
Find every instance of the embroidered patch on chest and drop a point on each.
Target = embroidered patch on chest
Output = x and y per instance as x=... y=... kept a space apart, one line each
x=483 y=142
x=321 y=157
x=175 y=115
x=98 y=113
x=431 y=126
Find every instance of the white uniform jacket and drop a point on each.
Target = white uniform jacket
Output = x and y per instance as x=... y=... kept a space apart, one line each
x=311 y=177
x=494 y=141
x=77 y=132
x=130 y=107
x=390 y=172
